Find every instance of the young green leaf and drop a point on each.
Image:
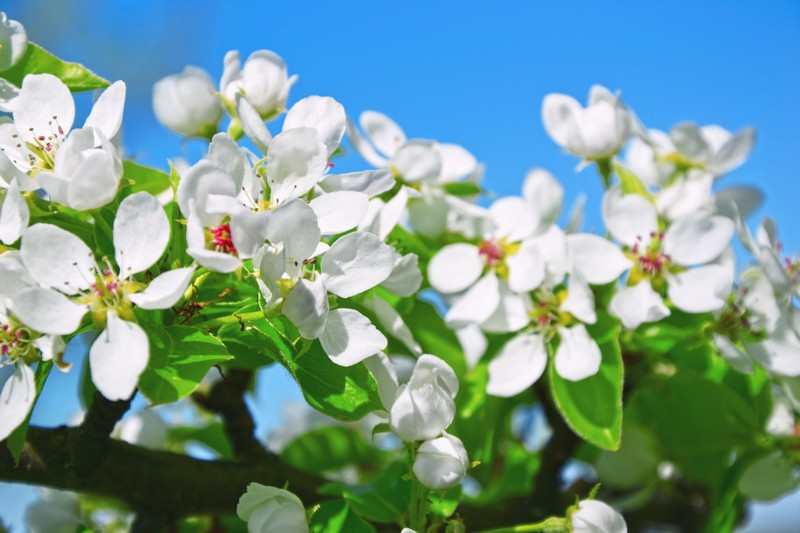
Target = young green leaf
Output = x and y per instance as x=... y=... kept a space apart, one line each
x=37 y=60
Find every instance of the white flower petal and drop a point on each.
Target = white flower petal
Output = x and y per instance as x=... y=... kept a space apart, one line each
x=545 y=195
x=322 y=113
x=356 y=262
x=580 y=300
x=252 y=123
x=736 y=357
x=630 y=218
x=514 y=218
x=417 y=161
x=406 y=278
x=698 y=238
x=94 y=183
x=350 y=337
x=43 y=96
x=637 y=305
x=392 y=322
x=226 y=154
x=118 y=357
x=700 y=290
x=201 y=181
x=339 y=211
x=14 y=215
x=364 y=147
x=441 y=463
x=558 y=115
x=455 y=268
x=370 y=182
x=384 y=133
x=47 y=311
x=512 y=312
x=596 y=259
x=297 y=161
x=477 y=305
x=16 y=399
x=294 y=224
x=594 y=516
x=106 y=114
x=457 y=162
x=141 y=233
x=578 y=355
x=519 y=364
x=734 y=152
x=306 y=306
x=56 y=258
x=165 y=290
x=526 y=268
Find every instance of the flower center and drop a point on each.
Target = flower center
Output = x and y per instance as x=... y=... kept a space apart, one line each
x=221 y=239
x=39 y=154
x=546 y=314
x=495 y=252
x=16 y=341
x=650 y=261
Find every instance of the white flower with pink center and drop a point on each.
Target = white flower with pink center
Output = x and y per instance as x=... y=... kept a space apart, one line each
x=486 y=281
x=678 y=261
x=552 y=315
x=73 y=283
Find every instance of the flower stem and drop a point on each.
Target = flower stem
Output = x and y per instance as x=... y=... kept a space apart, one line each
x=554 y=524
x=604 y=168
x=230 y=319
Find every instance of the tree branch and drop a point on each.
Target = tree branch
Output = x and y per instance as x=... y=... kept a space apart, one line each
x=153 y=483
x=89 y=441
x=227 y=399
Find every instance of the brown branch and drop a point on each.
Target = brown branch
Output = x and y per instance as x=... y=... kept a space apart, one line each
x=89 y=441
x=163 y=485
x=226 y=398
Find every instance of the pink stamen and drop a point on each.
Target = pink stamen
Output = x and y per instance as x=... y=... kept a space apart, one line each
x=222 y=240
x=492 y=253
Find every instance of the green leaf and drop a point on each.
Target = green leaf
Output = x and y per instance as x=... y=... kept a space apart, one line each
x=330 y=448
x=213 y=435
x=144 y=178
x=337 y=517
x=16 y=440
x=592 y=407
x=517 y=472
x=37 y=60
x=180 y=357
x=443 y=503
x=384 y=499
x=251 y=349
x=462 y=188
x=345 y=393
x=408 y=242
x=433 y=335
x=692 y=417
x=630 y=183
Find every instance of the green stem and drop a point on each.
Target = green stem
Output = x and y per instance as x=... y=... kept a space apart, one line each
x=230 y=319
x=554 y=524
x=604 y=168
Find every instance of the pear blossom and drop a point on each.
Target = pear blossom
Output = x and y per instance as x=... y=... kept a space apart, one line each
x=663 y=259
x=424 y=407
x=426 y=167
x=13 y=42
x=263 y=79
x=290 y=278
x=271 y=510
x=441 y=462
x=596 y=131
x=73 y=283
x=593 y=516
x=14 y=214
x=80 y=169
x=523 y=359
x=187 y=103
x=54 y=512
x=523 y=250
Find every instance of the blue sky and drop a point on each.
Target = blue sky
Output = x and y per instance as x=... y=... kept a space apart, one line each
x=472 y=73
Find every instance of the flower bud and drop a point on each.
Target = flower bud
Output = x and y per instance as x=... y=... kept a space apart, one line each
x=441 y=462
x=593 y=516
x=424 y=408
x=186 y=103
x=263 y=78
x=271 y=510
x=13 y=42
